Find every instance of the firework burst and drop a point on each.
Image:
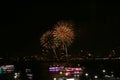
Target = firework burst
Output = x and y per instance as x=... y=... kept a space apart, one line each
x=63 y=31
x=46 y=39
x=61 y=37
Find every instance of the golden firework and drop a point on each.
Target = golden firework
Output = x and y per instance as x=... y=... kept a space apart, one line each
x=46 y=39
x=63 y=31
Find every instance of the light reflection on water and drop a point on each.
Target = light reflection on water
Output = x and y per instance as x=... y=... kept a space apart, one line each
x=108 y=69
x=62 y=72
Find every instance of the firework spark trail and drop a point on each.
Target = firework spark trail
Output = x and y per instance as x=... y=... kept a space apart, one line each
x=64 y=33
x=47 y=41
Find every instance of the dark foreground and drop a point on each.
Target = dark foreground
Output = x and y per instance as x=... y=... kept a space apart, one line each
x=93 y=70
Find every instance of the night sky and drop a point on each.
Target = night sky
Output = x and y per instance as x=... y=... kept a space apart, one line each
x=96 y=24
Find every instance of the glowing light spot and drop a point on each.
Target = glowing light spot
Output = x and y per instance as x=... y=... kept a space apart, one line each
x=86 y=74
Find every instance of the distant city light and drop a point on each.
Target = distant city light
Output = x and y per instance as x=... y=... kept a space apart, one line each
x=118 y=78
x=70 y=79
x=60 y=72
x=111 y=72
x=60 y=79
x=16 y=75
x=89 y=54
x=54 y=79
x=95 y=76
x=75 y=75
x=81 y=50
x=67 y=74
x=78 y=75
x=112 y=75
x=103 y=70
x=78 y=64
x=107 y=76
x=86 y=74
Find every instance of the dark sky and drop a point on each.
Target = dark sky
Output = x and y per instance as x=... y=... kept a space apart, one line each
x=96 y=24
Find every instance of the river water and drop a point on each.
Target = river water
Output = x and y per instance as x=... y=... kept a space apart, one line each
x=40 y=70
